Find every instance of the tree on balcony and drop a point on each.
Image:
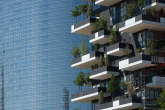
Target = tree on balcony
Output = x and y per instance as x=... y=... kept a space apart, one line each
x=75 y=52
x=87 y=80
x=89 y=11
x=83 y=9
x=112 y=86
x=95 y=47
x=131 y=9
x=79 y=81
x=83 y=47
x=101 y=61
x=161 y=100
x=140 y=4
x=100 y=24
x=101 y=97
x=151 y=45
x=76 y=13
x=113 y=37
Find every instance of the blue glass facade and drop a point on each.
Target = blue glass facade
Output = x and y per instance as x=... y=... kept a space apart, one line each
x=35 y=44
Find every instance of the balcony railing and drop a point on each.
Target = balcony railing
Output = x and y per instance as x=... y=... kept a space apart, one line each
x=87 y=60
x=83 y=27
x=139 y=62
x=124 y=103
x=119 y=49
x=106 y=2
x=103 y=73
x=100 y=37
x=142 y=22
x=88 y=95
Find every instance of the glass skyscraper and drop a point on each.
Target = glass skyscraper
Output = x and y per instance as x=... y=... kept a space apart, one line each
x=35 y=44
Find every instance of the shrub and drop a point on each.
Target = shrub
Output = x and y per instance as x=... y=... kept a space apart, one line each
x=79 y=81
x=83 y=48
x=100 y=24
x=75 y=52
x=113 y=37
x=101 y=97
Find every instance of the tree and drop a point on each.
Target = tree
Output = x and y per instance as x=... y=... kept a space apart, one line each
x=112 y=86
x=83 y=8
x=113 y=37
x=101 y=97
x=150 y=47
x=87 y=80
x=101 y=61
x=79 y=81
x=161 y=100
x=83 y=47
x=89 y=11
x=140 y=4
x=100 y=24
x=76 y=13
x=131 y=9
x=75 y=52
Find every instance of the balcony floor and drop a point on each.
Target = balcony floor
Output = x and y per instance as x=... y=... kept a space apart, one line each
x=86 y=98
x=85 y=64
x=100 y=40
x=103 y=75
x=141 y=25
x=128 y=106
x=135 y=66
x=107 y=2
x=119 y=52
x=84 y=30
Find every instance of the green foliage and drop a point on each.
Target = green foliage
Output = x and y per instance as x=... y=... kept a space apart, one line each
x=131 y=9
x=161 y=100
x=87 y=80
x=101 y=97
x=75 y=52
x=83 y=8
x=150 y=46
x=112 y=86
x=89 y=11
x=83 y=48
x=101 y=61
x=79 y=81
x=140 y=4
x=107 y=61
x=113 y=37
x=100 y=24
x=96 y=47
x=139 y=49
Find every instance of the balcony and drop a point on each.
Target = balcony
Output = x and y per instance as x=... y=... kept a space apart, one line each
x=106 y=2
x=121 y=104
x=119 y=49
x=156 y=4
x=86 y=61
x=142 y=22
x=84 y=27
x=99 y=38
x=87 y=96
x=103 y=73
x=157 y=82
x=140 y=62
